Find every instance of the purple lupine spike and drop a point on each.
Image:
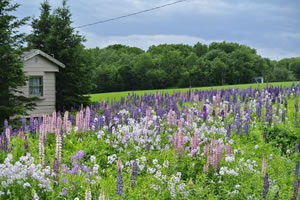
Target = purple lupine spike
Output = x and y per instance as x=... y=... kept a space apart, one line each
x=296 y=147
x=238 y=124
x=26 y=144
x=134 y=173
x=265 y=137
x=297 y=169
x=5 y=124
x=31 y=125
x=56 y=166
x=296 y=187
x=283 y=116
x=119 y=183
x=266 y=186
x=228 y=134
x=24 y=125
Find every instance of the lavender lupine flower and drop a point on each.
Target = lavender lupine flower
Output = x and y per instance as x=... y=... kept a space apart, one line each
x=238 y=124
x=64 y=191
x=266 y=186
x=296 y=187
x=283 y=116
x=265 y=137
x=119 y=183
x=297 y=169
x=134 y=174
x=79 y=155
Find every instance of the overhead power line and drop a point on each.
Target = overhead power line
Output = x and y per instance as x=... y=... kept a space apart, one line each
x=131 y=14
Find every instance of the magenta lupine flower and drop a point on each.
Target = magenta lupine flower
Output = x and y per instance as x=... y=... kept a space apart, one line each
x=266 y=186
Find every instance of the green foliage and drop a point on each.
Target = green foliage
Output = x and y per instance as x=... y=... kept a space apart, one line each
x=283 y=138
x=12 y=101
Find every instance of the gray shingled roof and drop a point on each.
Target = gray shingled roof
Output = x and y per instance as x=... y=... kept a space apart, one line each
x=29 y=54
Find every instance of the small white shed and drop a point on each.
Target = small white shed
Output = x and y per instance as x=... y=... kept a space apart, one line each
x=40 y=69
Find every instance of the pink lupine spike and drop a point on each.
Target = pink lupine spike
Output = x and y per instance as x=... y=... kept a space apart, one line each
x=119 y=165
x=206 y=149
x=195 y=142
x=228 y=150
x=205 y=168
x=264 y=166
x=210 y=159
x=78 y=121
x=66 y=117
x=215 y=159
x=58 y=125
x=7 y=134
x=21 y=134
x=212 y=144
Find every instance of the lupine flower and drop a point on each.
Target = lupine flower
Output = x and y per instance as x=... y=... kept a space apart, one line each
x=134 y=173
x=101 y=195
x=296 y=147
x=264 y=165
x=119 y=183
x=58 y=147
x=297 y=169
x=266 y=186
x=228 y=150
x=64 y=191
x=195 y=143
x=88 y=193
x=296 y=187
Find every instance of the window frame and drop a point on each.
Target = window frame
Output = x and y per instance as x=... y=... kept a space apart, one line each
x=41 y=86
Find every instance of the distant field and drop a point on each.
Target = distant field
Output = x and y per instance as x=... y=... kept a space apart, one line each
x=118 y=95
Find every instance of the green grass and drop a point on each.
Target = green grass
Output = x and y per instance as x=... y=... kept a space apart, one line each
x=118 y=95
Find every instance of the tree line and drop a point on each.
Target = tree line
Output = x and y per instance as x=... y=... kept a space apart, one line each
x=118 y=67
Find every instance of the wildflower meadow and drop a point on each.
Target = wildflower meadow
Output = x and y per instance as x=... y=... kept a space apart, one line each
x=199 y=144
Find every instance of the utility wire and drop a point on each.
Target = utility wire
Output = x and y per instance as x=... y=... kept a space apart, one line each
x=128 y=15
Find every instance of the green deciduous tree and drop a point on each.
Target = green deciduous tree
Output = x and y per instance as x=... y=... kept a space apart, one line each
x=12 y=102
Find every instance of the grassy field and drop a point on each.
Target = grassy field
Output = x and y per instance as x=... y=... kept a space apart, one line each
x=118 y=95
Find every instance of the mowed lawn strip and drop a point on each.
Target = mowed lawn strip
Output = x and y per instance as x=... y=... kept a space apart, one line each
x=116 y=96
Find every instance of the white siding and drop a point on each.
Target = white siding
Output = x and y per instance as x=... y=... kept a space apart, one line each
x=46 y=69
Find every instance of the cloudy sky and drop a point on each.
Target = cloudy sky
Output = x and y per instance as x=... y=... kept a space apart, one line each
x=270 y=26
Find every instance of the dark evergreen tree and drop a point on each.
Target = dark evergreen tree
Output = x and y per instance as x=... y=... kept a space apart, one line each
x=12 y=76
x=65 y=44
x=41 y=28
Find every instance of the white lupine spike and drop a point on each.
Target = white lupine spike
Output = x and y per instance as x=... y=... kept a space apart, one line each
x=58 y=147
x=88 y=193
x=101 y=195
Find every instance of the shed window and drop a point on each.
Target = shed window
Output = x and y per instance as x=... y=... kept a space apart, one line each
x=36 y=86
